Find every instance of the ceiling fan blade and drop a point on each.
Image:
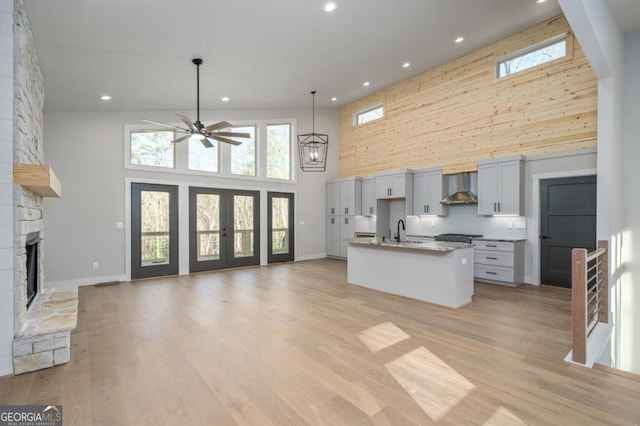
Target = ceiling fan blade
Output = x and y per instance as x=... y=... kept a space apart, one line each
x=217 y=126
x=188 y=122
x=232 y=134
x=182 y=138
x=206 y=142
x=225 y=140
x=165 y=125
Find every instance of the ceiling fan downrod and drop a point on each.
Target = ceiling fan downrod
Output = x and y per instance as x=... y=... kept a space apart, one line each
x=198 y=62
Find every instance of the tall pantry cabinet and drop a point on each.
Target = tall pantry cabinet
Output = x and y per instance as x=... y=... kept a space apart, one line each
x=344 y=203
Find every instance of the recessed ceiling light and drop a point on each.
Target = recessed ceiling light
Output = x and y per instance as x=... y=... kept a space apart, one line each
x=406 y=65
x=330 y=6
x=105 y=97
x=540 y=1
x=460 y=39
x=334 y=99
x=225 y=99
x=366 y=83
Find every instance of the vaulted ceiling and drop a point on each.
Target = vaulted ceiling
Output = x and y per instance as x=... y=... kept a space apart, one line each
x=260 y=54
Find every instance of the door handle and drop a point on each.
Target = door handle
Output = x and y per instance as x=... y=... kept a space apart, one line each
x=544 y=237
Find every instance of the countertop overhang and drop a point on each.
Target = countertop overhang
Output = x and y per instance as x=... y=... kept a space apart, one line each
x=412 y=245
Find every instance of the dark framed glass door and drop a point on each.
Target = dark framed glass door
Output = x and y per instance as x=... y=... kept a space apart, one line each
x=224 y=228
x=280 y=232
x=154 y=230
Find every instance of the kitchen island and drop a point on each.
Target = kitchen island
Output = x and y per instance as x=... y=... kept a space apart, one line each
x=435 y=272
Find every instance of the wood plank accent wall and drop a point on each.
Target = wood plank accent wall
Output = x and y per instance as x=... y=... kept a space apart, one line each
x=458 y=113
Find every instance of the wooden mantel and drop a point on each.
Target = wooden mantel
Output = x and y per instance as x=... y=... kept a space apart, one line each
x=38 y=178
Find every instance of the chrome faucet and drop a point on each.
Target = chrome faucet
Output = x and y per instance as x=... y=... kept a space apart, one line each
x=398 y=234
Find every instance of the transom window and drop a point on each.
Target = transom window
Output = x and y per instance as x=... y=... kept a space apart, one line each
x=152 y=148
x=369 y=114
x=267 y=154
x=532 y=56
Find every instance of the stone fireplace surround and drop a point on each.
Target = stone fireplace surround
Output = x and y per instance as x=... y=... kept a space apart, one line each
x=42 y=332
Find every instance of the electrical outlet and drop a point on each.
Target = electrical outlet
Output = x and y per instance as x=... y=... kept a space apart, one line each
x=521 y=225
x=119 y=225
x=96 y=266
x=510 y=225
x=433 y=223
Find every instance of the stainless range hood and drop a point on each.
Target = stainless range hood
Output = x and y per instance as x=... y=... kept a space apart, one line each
x=463 y=194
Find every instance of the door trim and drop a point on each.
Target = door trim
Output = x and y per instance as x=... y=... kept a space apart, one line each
x=534 y=225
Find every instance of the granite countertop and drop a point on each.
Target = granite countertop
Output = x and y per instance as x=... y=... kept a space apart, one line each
x=504 y=239
x=427 y=246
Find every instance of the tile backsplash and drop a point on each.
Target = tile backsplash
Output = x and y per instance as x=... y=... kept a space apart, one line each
x=461 y=219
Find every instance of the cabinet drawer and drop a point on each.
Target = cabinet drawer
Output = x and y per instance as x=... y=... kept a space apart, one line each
x=493 y=245
x=497 y=258
x=494 y=273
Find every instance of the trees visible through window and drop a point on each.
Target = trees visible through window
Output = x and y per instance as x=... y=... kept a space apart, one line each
x=201 y=158
x=243 y=157
x=152 y=148
x=532 y=56
x=370 y=114
x=278 y=151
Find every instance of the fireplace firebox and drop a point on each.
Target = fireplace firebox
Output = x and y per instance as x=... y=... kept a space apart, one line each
x=33 y=241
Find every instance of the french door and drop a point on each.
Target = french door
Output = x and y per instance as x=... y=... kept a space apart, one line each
x=224 y=228
x=154 y=230
x=281 y=224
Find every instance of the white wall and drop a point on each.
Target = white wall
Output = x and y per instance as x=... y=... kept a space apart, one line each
x=6 y=187
x=603 y=43
x=86 y=151
x=628 y=334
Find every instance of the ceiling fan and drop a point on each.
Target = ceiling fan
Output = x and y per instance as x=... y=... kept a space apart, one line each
x=206 y=134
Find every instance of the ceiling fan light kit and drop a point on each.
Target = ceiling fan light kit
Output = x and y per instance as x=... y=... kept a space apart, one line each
x=208 y=135
x=313 y=147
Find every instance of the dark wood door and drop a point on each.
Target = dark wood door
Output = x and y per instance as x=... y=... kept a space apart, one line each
x=224 y=228
x=567 y=221
x=281 y=226
x=154 y=230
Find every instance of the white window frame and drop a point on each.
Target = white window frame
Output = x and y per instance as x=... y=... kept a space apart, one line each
x=530 y=49
x=181 y=152
x=356 y=116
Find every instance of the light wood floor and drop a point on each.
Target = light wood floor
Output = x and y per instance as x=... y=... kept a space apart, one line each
x=293 y=344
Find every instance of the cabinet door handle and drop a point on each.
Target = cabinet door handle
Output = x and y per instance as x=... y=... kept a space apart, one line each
x=425 y=209
x=333 y=210
x=491 y=245
x=333 y=221
x=370 y=210
x=346 y=220
x=499 y=206
x=495 y=207
x=492 y=273
x=492 y=258
x=346 y=210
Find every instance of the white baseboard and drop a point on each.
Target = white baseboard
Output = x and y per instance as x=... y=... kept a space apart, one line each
x=84 y=281
x=529 y=280
x=311 y=257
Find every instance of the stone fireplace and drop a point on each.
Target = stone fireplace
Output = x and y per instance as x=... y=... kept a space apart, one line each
x=43 y=317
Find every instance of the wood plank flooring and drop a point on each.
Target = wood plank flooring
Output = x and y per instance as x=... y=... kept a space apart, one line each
x=294 y=344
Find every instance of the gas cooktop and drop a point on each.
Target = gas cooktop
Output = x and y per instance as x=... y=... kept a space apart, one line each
x=456 y=238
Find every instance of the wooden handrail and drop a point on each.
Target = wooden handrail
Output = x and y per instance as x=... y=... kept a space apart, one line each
x=589 y=284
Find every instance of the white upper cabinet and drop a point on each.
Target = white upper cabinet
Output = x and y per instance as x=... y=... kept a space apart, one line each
x=369 y=197
x=500 y=187
x=396 y=185
x=428 y=190
x=344 y=197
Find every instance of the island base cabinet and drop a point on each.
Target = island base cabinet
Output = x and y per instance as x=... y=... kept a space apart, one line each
x=440 y=277
x=499 y=262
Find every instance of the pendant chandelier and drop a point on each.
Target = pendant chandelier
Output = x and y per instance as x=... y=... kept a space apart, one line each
x=313 y=147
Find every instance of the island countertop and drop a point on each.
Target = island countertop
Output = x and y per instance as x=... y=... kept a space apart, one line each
x=414 y=245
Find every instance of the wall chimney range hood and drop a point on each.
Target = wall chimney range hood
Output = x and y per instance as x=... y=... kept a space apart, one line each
x=463 y=194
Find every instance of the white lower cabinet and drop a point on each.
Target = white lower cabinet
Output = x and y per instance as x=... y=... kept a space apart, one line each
x=340 y=229
x=499 y=262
